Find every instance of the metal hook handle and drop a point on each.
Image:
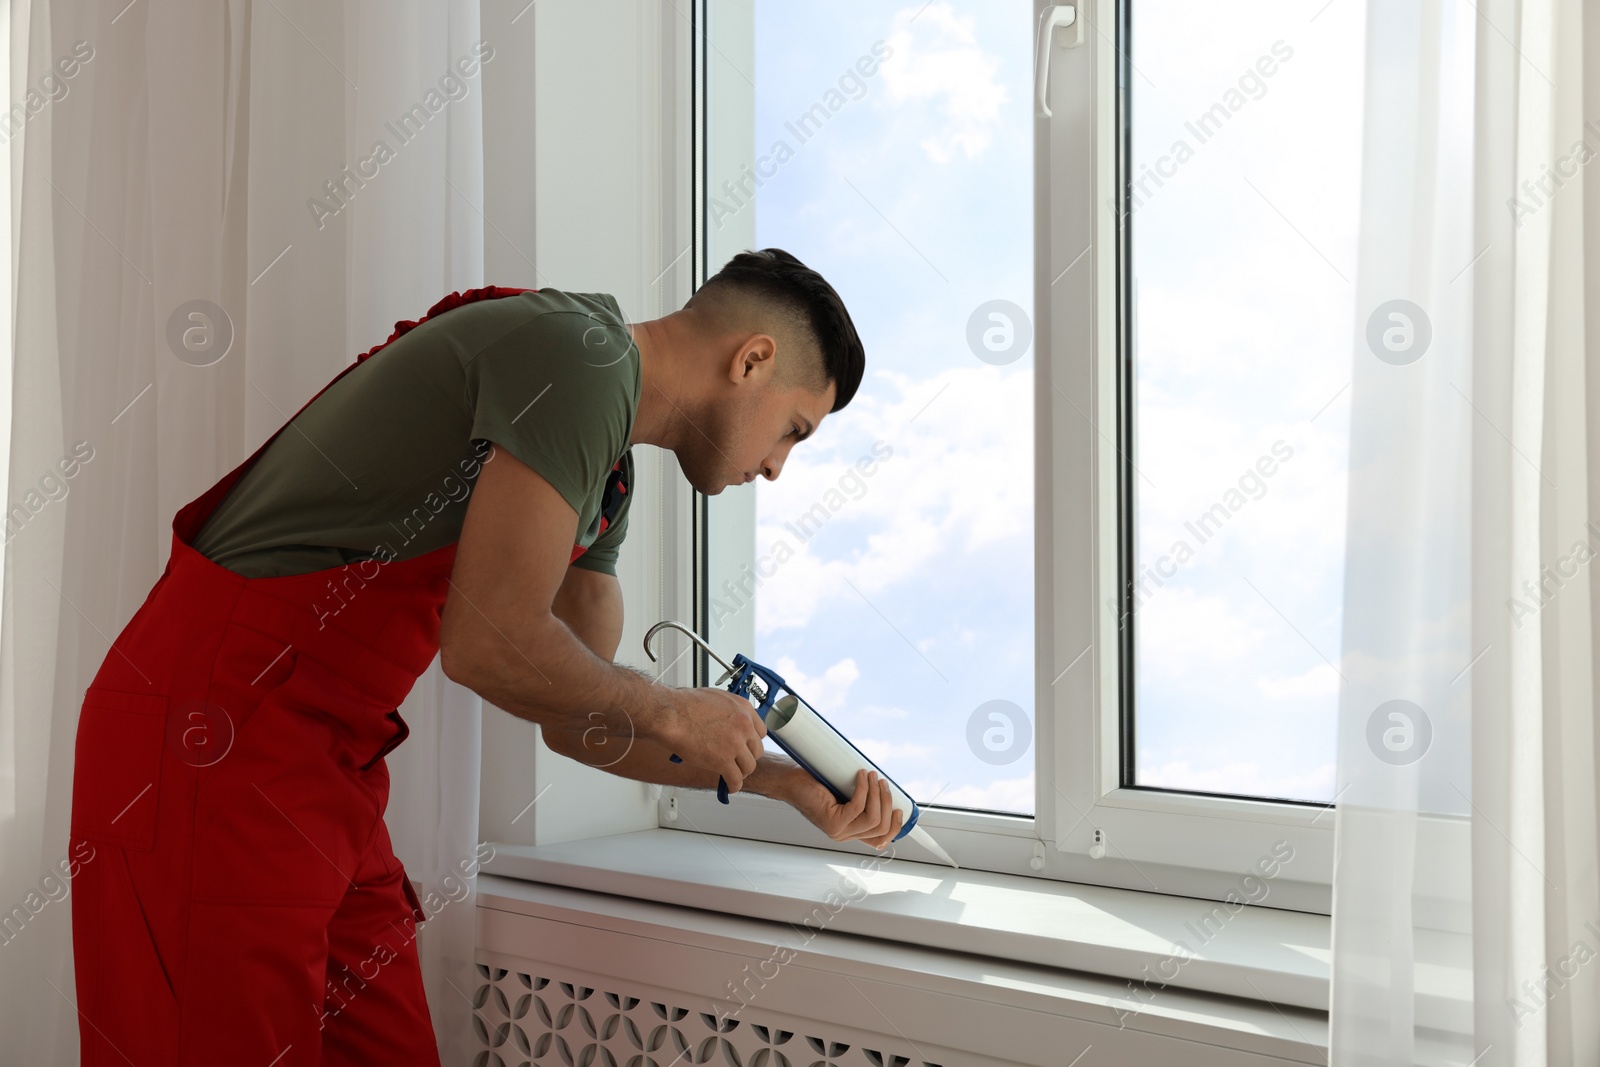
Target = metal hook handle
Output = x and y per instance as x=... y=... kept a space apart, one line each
x=688 y=633
x=722 y=783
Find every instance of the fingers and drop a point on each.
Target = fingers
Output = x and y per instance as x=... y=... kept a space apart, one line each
x=872 y=816
x=745 y=759
x=844 y=818
x=750 y=755
x=887 y=825
x=754 y=746
x=880 y=819
x=750 y=713
x=858 y=799
x=741 y=766
x=849 y=815
x=894 y=830
x=869 y=816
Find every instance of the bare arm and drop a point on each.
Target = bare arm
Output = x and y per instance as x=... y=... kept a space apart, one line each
x=501 y=637
x=590 y=603
x=536 y=637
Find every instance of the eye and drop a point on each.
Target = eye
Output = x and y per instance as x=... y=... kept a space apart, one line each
x=794 y=431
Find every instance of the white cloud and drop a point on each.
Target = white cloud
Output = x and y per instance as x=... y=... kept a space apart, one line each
x=887 y=753
x=1320 y=681
x=1181 y=631
x=1245 y=333
x=937 y=61
x=826 y=692
x=956 y=492
x=881 y=712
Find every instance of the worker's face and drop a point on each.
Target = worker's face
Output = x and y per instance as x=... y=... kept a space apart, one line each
x=749 y=428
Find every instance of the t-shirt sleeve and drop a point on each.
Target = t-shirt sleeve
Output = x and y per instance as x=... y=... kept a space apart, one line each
x=602 y=555
x=556 y=393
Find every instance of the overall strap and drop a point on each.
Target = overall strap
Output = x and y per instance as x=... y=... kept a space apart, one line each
x=454 y=300
x=189 y=519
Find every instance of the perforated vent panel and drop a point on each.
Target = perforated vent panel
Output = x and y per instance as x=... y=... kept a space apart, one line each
x=524 y=1017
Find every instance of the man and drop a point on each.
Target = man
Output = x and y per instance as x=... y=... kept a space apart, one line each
x=463 y=492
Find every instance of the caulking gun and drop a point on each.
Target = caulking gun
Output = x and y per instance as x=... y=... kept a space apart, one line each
x=808 y=738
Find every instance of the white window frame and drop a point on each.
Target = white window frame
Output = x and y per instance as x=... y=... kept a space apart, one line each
x=1151 y=840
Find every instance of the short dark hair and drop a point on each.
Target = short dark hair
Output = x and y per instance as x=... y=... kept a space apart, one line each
x=782 y=279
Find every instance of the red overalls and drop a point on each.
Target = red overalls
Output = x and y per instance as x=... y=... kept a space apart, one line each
x=237 y=899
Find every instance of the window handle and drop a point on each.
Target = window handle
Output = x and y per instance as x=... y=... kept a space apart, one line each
x=1050 y=19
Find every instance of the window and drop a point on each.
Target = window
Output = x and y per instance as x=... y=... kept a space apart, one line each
x=891 y=576
x=1077 y=343
x=1244 y=180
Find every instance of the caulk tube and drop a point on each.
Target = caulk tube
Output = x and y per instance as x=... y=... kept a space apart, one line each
x=816 y=745
x=830 y=758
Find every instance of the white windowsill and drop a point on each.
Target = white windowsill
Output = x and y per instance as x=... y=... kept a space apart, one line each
x=1257 y=954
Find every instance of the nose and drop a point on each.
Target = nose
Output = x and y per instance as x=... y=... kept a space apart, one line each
x=772 y=466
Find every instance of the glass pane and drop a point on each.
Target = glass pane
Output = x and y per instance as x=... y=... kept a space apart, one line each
x=1245 y=177
x=888 y=573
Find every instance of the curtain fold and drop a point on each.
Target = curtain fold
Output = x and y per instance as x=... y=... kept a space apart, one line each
x=1401 y=868
x=1466 y=895
x=217 y=159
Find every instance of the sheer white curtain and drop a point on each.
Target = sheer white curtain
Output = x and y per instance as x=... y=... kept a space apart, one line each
x=1466 y=921
x=182 y=160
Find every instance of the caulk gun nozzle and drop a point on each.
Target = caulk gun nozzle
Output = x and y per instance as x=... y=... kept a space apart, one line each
x=925 y=839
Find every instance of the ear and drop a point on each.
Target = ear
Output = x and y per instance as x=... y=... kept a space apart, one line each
x=753 y=360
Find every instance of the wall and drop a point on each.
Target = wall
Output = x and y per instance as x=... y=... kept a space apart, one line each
x=584 y=178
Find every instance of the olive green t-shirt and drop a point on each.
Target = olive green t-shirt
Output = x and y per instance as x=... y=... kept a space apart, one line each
x=381 y=465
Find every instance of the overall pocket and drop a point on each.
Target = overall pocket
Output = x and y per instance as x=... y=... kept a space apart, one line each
x=117 y=767
x=284 y=818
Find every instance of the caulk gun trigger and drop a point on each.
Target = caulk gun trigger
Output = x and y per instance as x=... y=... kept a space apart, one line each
x=722 y=783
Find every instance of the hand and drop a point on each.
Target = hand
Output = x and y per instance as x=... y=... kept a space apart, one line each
x=713 y=730
x=869 y=815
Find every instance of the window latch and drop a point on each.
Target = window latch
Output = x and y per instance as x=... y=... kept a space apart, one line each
x=1057 y=16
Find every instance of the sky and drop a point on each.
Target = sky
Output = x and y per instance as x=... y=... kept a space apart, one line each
x=1244 y=262
x=908 y=610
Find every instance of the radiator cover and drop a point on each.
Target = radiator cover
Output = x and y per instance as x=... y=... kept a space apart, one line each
x=525 y=1014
